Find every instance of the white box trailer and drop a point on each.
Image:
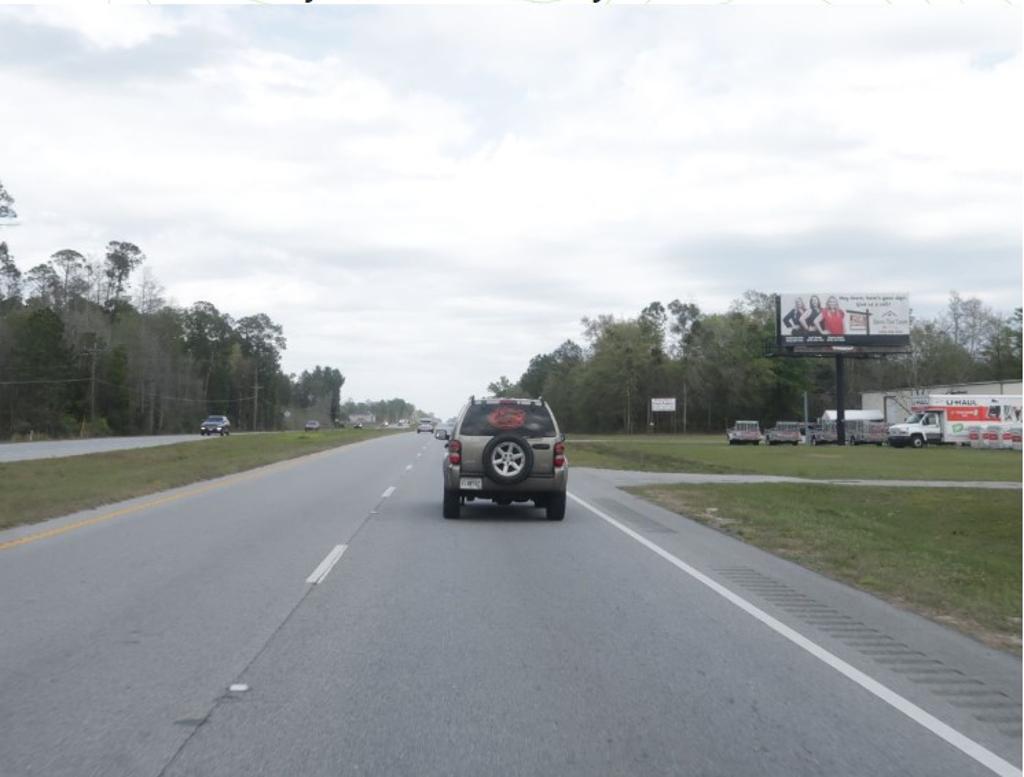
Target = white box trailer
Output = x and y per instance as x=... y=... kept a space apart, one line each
x=957 y=419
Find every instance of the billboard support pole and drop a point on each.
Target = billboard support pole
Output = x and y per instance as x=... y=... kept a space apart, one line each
x=840 y=402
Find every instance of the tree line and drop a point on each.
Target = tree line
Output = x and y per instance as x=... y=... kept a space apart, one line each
x=389 y=410
x=89 y=346
x=717 y=366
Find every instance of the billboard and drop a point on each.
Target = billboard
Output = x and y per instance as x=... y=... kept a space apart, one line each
x=843 y=322
x=663 y=405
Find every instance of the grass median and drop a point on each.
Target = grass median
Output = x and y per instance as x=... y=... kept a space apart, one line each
x=953 y=555
x=32 y=491
x=710 y=454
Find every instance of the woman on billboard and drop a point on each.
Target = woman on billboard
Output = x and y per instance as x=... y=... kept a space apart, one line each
x=810 y=320
x=794 y=318
x=832 y=318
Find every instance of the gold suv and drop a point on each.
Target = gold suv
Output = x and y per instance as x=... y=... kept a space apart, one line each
x=505 y=450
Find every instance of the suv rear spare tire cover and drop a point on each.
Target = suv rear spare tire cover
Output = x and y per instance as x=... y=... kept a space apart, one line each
x=508 y=459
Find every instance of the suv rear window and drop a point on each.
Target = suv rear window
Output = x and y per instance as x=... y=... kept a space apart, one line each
x=485 y=420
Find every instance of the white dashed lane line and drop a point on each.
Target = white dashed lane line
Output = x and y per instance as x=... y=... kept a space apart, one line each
x=326 y=565
x=388 y=492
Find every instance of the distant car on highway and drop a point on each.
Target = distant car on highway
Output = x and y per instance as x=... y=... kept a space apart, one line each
x=357 y=426
x=425 y=425
x=215 y=424
x=312 y=426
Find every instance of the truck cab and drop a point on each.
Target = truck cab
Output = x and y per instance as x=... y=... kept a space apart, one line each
x=917 y=430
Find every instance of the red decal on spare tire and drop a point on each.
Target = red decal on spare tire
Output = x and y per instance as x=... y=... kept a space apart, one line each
x=507 y=418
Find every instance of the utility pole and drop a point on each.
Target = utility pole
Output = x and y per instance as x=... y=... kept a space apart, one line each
x=149 y=387
x=255 y=391
x=93 y=351
x=627 y=408
x=840 y=401
x=92 y=387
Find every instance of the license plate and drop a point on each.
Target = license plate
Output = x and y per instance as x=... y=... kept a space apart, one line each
x=471 y=484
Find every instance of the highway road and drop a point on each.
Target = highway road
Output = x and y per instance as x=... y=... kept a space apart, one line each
x=52 y=449
x=320 y=617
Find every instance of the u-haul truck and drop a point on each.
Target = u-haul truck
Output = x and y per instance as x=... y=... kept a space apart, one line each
x=953 y=418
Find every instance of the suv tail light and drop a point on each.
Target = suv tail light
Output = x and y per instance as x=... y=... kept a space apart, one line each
x=559 y=454
x=454 y=452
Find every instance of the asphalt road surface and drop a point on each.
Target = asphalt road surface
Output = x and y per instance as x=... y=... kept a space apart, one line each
x=52 y=449
x=320 y=617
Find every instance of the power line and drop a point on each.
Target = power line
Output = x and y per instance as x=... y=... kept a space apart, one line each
x=34 y=382
x=120 y=386
x=176 y=399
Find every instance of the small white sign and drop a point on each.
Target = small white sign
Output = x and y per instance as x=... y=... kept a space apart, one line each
x=663 y=405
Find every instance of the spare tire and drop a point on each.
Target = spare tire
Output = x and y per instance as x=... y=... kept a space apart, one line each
x=508 y=459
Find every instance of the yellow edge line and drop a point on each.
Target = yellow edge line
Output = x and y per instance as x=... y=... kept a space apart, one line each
x=226 y=481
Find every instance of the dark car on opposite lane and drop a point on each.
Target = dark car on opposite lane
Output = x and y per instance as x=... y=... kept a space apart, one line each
x=215 y=424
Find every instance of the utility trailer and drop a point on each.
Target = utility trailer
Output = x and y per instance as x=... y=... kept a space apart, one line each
x=823 y=433
x=744 y=433
x=784 y=432
x=866 y=432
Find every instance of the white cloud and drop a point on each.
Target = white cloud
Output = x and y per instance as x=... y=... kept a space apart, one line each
x=105 y=26
x=409 y=191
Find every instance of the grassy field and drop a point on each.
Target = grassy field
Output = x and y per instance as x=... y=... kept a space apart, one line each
x=711 y=454
x=32 y=491
x=951 y=555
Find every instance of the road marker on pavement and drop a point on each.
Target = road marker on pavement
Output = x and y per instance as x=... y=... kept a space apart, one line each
x=963 y=743
x=388 y=492
x=238 y=688
x=326 y=565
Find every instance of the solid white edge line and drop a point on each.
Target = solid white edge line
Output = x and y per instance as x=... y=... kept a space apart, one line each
x=387 y=492
x=966 y=745
x=326 y=565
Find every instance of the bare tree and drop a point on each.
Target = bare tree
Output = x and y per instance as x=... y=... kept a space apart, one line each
x=150 y=295
x=10 y=276
x=6 y=204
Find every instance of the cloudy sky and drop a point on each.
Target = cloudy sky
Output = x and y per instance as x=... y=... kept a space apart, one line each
x=427 y=197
